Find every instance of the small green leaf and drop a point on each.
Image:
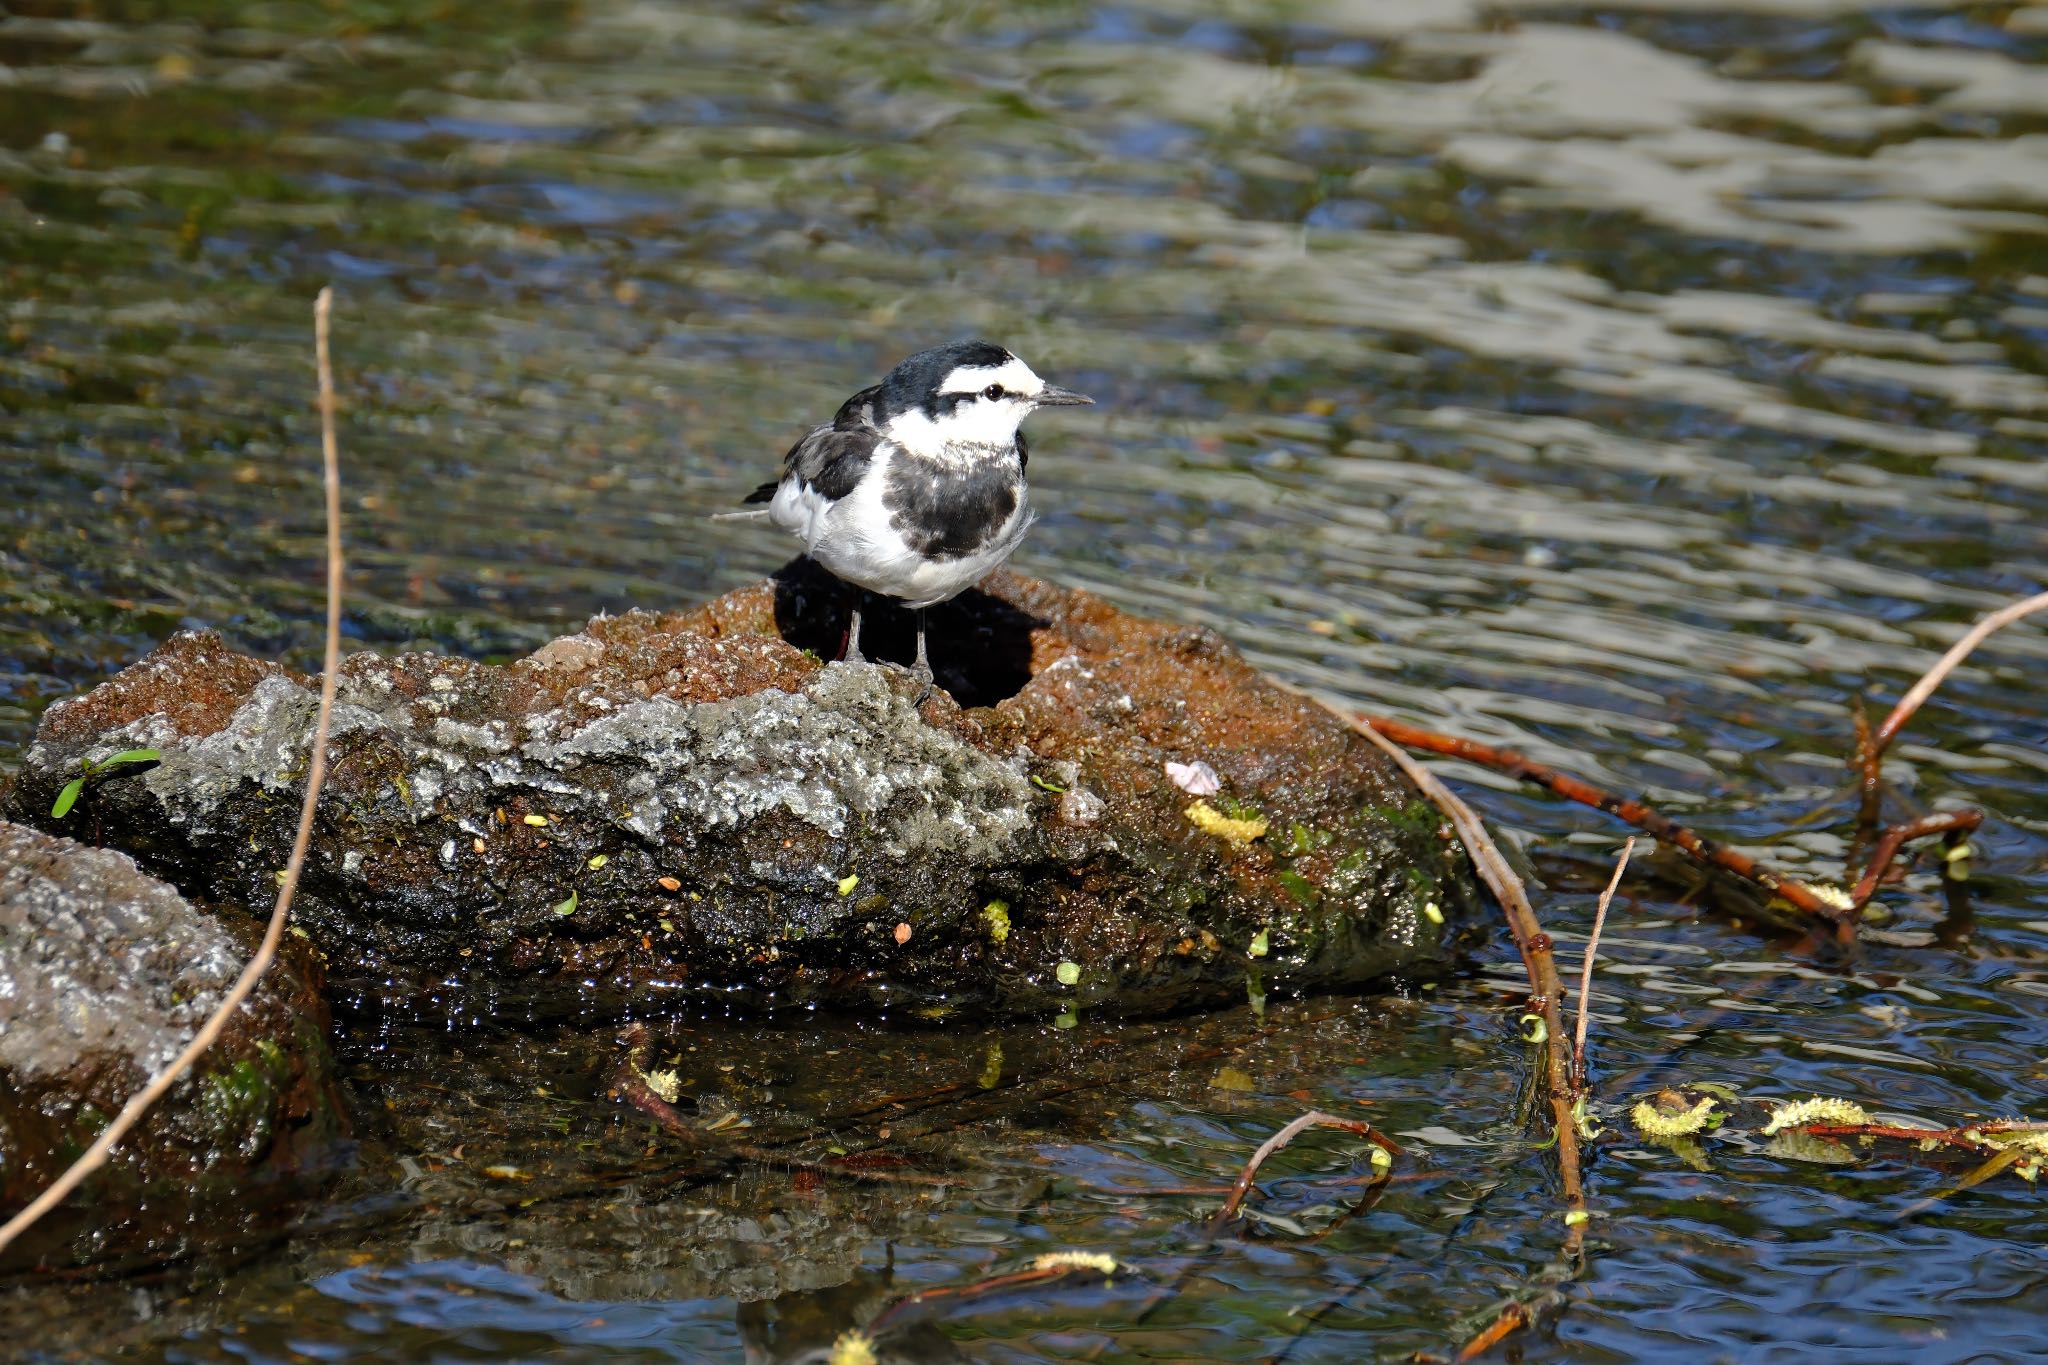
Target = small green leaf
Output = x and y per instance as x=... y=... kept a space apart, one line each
x=597 y=860
x=1261 y=943
x=1043 y=785
x=1534 y=1030
x=75 y=788
x=67 y=798
x=848 y=882
x=1067 y=973
x=567 y=907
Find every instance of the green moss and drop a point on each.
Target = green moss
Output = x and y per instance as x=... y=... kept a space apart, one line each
x=1299 y=888
x=1236 y=809
x=1302 y=839
x=1418 y=817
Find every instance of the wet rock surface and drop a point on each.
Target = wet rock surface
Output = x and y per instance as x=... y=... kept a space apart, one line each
x=693 y=802
x=105 y=973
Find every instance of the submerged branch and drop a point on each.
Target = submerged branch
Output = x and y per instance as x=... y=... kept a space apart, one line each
x=1652 y=822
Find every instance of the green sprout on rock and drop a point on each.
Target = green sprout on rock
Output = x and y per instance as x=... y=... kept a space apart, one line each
x=75 y=788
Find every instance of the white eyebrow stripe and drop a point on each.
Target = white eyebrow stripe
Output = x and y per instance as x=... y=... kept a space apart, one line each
x=1013 y=375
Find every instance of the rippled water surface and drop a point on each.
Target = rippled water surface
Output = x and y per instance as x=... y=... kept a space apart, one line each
x=1633 y=385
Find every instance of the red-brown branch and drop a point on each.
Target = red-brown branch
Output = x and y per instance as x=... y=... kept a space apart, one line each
x=1971 y=1137
x=1049 y=1269
x=1314 y=1118
x=1898 y=836
x=1871 y=744
x=1654 y=823
x=1513 y=1317
x=1546 y=990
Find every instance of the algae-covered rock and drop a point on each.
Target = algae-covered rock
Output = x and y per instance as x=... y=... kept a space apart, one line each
x=694 y=802
x=105 y=974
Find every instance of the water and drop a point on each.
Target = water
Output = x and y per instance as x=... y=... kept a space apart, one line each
x=1631 y=385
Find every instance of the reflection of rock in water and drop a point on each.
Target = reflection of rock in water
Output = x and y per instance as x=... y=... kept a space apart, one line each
x=666 y=804
x=800 y=1328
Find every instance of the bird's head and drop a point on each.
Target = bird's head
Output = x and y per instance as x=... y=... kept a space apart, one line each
x=954 y=399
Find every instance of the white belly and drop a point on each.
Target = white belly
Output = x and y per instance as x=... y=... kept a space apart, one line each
x=853 y=539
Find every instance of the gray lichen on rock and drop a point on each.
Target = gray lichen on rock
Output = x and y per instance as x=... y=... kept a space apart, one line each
x=845 y=747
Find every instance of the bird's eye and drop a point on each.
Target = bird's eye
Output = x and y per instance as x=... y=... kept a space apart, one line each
x=992 y=392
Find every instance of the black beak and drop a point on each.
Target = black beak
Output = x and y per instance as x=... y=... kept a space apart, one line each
x=1052 y=396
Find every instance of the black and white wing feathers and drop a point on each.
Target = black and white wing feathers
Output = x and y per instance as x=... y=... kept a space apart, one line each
x=830 y=460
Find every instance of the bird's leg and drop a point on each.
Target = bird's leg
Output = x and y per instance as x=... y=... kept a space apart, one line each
x=853 y=654
x=923 y=667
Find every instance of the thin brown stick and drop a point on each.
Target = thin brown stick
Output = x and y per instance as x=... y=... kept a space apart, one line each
x=1870 y=796
x=1314 y=1118
x=1586 y=968
x=1871 y=744
x=1547 y=991
x=1917 y=695
x=1051 y=1268
x=1948 y=1137
x=1971 y=1137
x=131 y=1113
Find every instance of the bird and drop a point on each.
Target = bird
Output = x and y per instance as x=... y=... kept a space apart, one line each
x=915 y=490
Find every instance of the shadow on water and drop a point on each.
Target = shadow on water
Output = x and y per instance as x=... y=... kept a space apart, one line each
x=979 y=646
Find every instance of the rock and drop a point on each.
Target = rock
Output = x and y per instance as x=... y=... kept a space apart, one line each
x=105 y=974
x=665 y=805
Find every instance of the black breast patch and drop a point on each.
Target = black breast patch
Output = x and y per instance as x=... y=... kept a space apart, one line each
x=944 y=512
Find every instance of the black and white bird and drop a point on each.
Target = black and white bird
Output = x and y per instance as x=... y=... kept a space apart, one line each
x=915 y=491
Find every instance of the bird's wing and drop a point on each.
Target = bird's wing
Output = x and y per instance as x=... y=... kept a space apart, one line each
x=830 y=459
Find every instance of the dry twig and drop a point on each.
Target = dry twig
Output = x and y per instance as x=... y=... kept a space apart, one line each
x=131 y=1113
x=1871 y=744
x=1917 y=695
x=1586 y=968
